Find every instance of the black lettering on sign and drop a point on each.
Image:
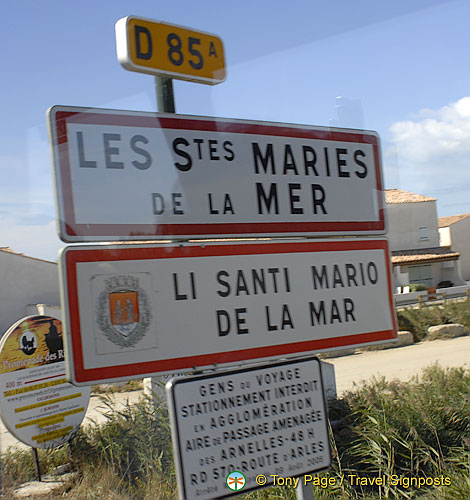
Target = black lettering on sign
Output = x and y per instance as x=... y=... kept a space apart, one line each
x=225 y=322
x=180 y=141
x=361 y=174
x=199 y=478
x=352 y=275
x=294 y=198
x=190 y=287
x=254 y=281
x=265 y=160
x=159 y=207
x=372 y=273
x=310 y=159
x=341 y=162
x=111 y=151
x=198 y=61
x=231 y=154
x=143 y=165
x=337 y=312
x=213 y=149
x=141 y=53
x=81 y=153
x=199 y=142
x=158 y=204
x=318 y=198
x=225 y=284
x=176 y=197
x=289 y=161
x=266 y=200
x=175 y=55
x=226 y=208
x=285 y=319
x=212 y=51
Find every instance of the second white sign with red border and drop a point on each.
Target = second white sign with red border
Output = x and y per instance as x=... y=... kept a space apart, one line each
x=134 y=311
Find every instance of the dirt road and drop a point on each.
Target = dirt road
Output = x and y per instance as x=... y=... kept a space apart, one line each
x=402 y=363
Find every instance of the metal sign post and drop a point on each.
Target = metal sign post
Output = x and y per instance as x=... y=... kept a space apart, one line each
x=165 y=97
x=155 y=386
x=144 y=310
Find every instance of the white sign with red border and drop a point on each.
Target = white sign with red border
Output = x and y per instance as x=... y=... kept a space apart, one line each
x=134 y=311
x=268 y=420
x=138 y=176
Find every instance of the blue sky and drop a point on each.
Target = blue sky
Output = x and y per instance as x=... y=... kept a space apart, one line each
x=401 y=68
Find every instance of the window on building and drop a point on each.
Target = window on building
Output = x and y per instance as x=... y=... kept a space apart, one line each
x=420 y=274
x=423 y=233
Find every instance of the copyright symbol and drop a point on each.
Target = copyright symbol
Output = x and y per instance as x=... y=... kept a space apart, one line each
x=261 y=480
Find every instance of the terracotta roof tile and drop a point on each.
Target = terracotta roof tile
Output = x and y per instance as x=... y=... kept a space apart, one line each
x=400 y=196
x=451 y=219
x=435 y=254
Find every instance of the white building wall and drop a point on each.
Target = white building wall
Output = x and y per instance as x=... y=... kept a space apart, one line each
x=23 y=281
x=444 y=237
x=406 y=222
x=400 y=277
x=440 y=271
x=451 y=271
x=460 y=242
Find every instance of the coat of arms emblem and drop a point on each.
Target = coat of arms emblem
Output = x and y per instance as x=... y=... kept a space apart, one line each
x=122 y=311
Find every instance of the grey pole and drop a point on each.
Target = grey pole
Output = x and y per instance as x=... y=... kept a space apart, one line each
x=154 y=387
x=304 y=492
x=37 y=467
x=165 y=97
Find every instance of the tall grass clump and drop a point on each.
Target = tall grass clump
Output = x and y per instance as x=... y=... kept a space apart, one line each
x=133 y=445
x=17 y=465
x=417 y=429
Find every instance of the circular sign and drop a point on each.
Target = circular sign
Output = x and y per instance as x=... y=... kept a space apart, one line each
x=37 y=404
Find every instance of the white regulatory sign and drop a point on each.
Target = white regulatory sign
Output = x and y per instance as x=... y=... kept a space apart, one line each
x=133 y=175
x=240 y=430
x=140 y=310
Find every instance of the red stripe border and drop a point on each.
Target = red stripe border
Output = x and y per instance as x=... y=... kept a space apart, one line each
x=76 y=231
x=73 y=256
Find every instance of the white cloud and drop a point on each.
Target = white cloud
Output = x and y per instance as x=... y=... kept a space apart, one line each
x=433 y=134
x=433 y=155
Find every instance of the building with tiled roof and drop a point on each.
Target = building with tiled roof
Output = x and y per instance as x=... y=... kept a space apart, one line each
x=451 y=219
x=438 y=254
x=454 y=232
x=401 y=196
x=23 y=281
x=413 y=234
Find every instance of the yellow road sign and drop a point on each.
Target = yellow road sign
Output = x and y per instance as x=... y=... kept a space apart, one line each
x=159 y=48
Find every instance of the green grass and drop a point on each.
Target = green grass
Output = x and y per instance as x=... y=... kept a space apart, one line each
x=411 y=431
x=417 y=320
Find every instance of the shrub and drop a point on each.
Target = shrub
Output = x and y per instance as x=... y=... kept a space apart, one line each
x=418 y=320
x=417 y=287
x=134 y=443
x=408 y=429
